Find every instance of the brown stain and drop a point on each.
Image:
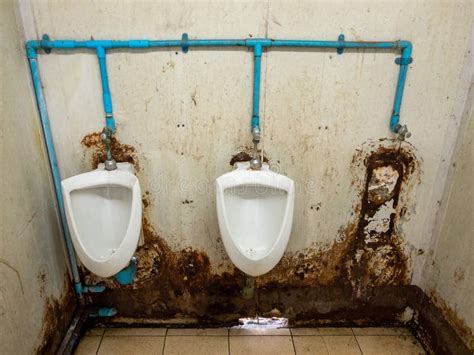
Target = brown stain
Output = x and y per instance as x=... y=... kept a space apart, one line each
x=177 y=284
x=458 y=324
x=245 y=154
x=351 y=260
x=181 y=284
x=120 y=152
x=57 y=316
x=42 y=282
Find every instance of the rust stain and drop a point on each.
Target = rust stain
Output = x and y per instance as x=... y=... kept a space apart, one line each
x=364 y=255
x=57 y=315
x=181 y=283
x=459 y=275
x=121 y=152
x=245 y=154
x=458 y=324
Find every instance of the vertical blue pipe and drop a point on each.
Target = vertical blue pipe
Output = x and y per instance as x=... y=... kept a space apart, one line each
x=257 y=55
x=32 y=57
x=403 y=61
x=109 y=117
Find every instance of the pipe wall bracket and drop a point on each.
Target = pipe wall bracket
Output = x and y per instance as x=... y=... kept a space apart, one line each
x=341 y=40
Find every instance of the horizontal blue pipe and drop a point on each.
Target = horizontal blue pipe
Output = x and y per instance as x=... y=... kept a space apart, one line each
x=93 y=44
x=106 y=97
x=53 y=162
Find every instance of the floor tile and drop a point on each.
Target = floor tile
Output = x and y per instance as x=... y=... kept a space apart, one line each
x=198 y=331
x=322 y=331
x=386 y=345
x=117 y=345
x=381 y=331
x=341 y=345
x=259 y=331
x=88 y=345
x=261 y=345
x=135 y=332
x=310 y=345
x=196 y=345
x=95 y=331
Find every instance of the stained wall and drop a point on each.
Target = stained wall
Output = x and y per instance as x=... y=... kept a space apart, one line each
x=183 y=117
x=36 y=301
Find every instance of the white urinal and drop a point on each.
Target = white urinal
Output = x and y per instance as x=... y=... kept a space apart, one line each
x=104 y=213
x=255 y=213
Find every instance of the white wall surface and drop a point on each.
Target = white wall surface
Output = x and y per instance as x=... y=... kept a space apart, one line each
x=32 y=265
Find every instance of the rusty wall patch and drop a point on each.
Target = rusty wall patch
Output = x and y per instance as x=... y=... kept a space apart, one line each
x=367 y=254
x=57 y=316
x=245 y=154
x=120 y=152
x=459 y=326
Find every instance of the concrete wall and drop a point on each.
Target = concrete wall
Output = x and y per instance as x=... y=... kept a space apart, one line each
x=182 y=117
x=451 y=275
x=35 y=297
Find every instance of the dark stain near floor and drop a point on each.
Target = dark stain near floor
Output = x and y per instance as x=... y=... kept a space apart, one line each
x=176 y=284
x=121 y=152
x=458 y=324
x=57 y=316
x=313 y=283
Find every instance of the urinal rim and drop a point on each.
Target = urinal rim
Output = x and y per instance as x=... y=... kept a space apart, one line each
x=104 y=178
x=286 y=184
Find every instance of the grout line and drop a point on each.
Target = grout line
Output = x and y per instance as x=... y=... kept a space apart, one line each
x=292 y=341
x=164 y=342
x=357 y=341
x=228 y=341
x=100 y=342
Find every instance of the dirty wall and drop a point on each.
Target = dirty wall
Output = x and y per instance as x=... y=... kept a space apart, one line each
x=364 y=202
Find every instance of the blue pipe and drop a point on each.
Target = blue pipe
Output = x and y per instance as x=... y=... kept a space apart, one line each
x=109 y=117
x=257 y=55
x=93 y=44
x=33 y=61
x=403 y=61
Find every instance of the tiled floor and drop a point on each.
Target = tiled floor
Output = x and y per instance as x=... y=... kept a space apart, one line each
x=315 y=341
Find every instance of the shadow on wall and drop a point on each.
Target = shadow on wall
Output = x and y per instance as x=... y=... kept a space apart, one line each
x=318 y=283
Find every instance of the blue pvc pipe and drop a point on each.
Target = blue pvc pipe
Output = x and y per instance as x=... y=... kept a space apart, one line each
x=93 y=44
x=54 y=171
x=257 y=55
x=107 y=98
x=402 y=75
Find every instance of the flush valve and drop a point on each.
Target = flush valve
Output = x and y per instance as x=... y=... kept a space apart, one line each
x=255 y=162
x=106 y=136
x=402 y=132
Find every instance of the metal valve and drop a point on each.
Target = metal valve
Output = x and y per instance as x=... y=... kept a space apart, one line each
x=402 y=132
x=106 y=137
x=255 y=162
